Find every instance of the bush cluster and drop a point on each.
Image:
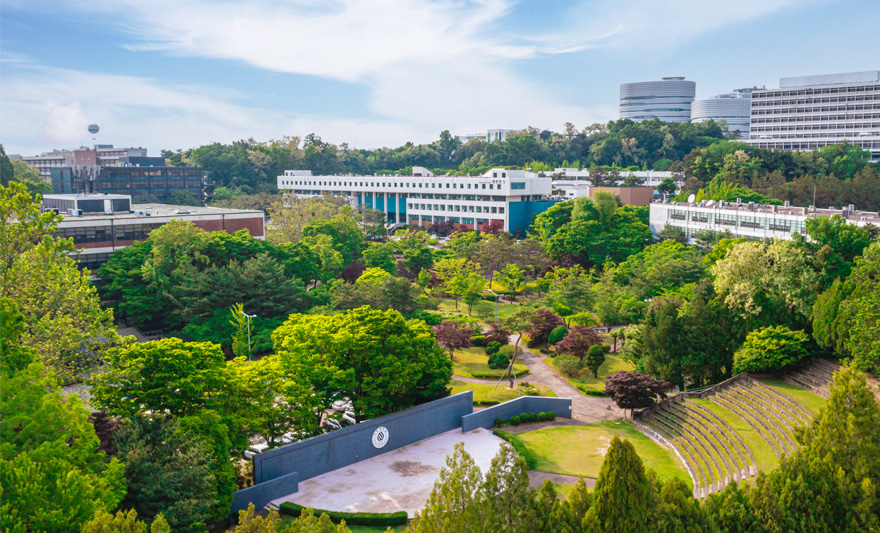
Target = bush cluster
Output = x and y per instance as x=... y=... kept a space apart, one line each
x=478 y=340
x=498 y=360
x=508 y=351
x=568 y=364
x=357 y=519
x=532 y=343
x=493 y=347
x=525 y=418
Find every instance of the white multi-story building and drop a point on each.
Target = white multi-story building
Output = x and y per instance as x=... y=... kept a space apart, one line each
x=668 y=100
x=809 y=112
x=648 y=178
x=749 y=220
x=733 y=108
x=496 y=135
x=510 y=196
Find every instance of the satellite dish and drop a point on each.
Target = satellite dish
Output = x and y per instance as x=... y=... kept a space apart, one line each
x=691 y=198
x=93 y=128
x=709 y=203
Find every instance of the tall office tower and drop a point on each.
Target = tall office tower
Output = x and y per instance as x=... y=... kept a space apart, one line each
x=810 y=112
x=668 y=99
x=734 y=108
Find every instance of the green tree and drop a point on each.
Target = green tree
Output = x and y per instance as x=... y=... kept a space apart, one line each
x=454 y=503
x=347 y=236
x=508 y=499
x=557 y=334
x=104 y=522
x=770 y=348
x=381 y=256
x=167 y=471
x=373 y=276
x=52 y=476
x=512 y=278
x=240 y=340
x=183 y=197
x=624 y=499
x=568 y=292
x=595 y=358
x=290 y=214
x=470 y=288
x=164 y=376
x=833 y=246
x=381 y=361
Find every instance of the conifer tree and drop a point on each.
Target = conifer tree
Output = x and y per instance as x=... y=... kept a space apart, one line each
x=624 y=498
x=453 y=505
x=506 y=493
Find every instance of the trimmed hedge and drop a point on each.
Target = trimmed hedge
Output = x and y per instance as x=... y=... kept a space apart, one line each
x=355 y=519
x=478 y=340
x=525 y=453
x=525 y=418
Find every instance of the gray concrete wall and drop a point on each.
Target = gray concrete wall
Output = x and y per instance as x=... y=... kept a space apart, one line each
x=524 y=404
x=260 y=495
x=317 y=455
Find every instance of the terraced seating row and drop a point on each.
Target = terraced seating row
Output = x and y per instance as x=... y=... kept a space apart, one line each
x=825 y=369
x=812 y=373
x=714 y=452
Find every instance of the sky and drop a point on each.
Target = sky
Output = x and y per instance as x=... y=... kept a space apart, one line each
x=176 y=74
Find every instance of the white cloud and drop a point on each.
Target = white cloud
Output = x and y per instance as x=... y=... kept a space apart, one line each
x=427 y=65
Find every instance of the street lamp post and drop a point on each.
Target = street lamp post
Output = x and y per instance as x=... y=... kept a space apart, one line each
x=249 y=317
x=496 y=304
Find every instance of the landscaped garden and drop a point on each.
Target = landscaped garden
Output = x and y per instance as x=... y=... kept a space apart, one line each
x=483 y=310
x=489 y=394
x=474 y=363
x=580 y=450
x=584 y=380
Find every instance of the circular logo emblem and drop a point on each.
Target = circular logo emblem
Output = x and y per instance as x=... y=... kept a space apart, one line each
x=380 y=437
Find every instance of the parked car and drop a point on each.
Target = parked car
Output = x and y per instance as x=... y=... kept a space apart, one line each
x=331 y=424
x=348 y=418
x=341 y=406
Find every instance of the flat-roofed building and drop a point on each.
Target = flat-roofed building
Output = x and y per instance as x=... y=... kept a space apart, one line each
x=668 y=99
x=513 y=197
x=809 y=112
x=747 y=219
x=100 y=224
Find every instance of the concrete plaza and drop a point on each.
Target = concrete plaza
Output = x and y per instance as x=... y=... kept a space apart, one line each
x=400 y=480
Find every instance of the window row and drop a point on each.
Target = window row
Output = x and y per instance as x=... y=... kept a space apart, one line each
x=406 y=185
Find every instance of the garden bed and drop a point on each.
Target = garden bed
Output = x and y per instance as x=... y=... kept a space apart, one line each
x=586 y=383
x=487 y=394
x=474 y=363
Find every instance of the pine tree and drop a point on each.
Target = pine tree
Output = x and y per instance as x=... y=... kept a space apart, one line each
x=506 y=493
x=453 y=505
x=624 y=498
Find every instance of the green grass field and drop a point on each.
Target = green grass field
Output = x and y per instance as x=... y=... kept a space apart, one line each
x=485 y=394
x=580 y=450
x=481 y=310
x=474 y=363
x=589 y=385
x=805 y=397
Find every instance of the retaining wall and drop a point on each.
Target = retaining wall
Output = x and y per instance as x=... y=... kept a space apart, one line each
x=524 y=404
x=330 y=451
x=260 y=495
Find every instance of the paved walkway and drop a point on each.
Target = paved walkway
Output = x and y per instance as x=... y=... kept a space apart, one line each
x=536 y=479
x=586 y=409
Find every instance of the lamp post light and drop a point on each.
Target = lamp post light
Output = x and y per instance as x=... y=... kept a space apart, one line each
x=249 y=317
x=496 y=304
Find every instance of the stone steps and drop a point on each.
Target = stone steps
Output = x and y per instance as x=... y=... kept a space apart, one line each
x=722 y=401
x=720 y=473
x=762 y=414
x=738 y=441
x=682 y=444
x=768 y=412
x=734 y=471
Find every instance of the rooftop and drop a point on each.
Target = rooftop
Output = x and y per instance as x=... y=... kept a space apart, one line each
x=162 y=210
x=847 y=212
x=831 y=79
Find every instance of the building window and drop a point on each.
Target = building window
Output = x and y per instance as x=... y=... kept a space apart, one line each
x=518 y=185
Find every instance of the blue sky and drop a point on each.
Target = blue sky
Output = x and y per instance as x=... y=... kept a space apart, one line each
x=177 y=74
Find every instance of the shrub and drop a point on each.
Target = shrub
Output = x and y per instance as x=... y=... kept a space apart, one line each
x=514 y=420
x=606 y=348
x=551 y=415
x=434 y=303
x=508 y=350
x=498 y=360
x=568 y=364
x=478 y=340
x=770 y=348
x=557 y=334
x=487 y=297
x=499 y=422
x=595 y=358
x=545 y=351
x=357 y=519
x=493 y=348
x=532 y=343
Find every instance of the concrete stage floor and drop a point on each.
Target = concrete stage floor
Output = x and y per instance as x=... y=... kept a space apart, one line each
x=399 y=480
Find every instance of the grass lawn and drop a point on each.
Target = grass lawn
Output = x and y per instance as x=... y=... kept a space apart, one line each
x=589 y=385
x=485 y=395
x=805 y=397
x=482 y=310
x=474 y=363
x=580 y=450
x=765 y=459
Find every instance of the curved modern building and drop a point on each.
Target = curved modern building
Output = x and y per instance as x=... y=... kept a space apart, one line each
x=733 y=108
x=668 y=100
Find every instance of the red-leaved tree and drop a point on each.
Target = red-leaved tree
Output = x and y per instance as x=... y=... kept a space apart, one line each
x=631 y=390
x=578 y=341
x=544 y=321
x=498 y=334
x=452 y=335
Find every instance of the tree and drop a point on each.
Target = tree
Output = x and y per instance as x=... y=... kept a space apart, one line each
x=451 y=335
x=595 y=358
x=454 y=503
x=569 y=291
x=120 y=523
x=164 y=376
x=578 y=342
x=770 y=348
x=63 y=319
x=381 y=361
x=183 y=197
x=52 y=475
x=624 y=499
x=241 y=338
x=517 y=324
x=557 y=334
x=513 y=279
x=470 y=288
x=544 y=321
x=292 y=213
x=498 y=333
x=508 y=499
x=846 y=317
x=347 y=236
x=631 y=390
x=667 y=186
x=833 y=246
x=381 y=256
x=373 y=276
x=167 y=471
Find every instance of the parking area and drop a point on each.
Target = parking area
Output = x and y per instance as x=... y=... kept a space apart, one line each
x=400 y=480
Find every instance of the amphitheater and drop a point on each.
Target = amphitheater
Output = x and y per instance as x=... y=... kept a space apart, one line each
x=730 y=431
